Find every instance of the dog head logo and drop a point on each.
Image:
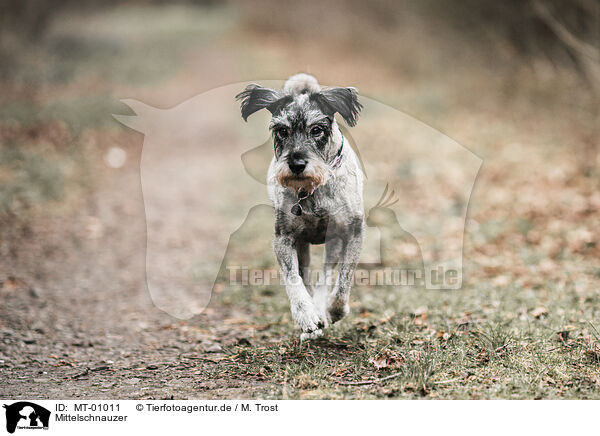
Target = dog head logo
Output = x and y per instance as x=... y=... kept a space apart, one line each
x=26 y=415
x=203 y=175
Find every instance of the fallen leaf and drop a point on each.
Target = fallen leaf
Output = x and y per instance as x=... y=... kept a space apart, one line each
x=443 y=335
x=211 y=347
x=342 y=372
x=387 y=359
x=420 y=311
x=538 y=312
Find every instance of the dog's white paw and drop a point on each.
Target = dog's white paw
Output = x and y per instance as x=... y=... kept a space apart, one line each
x=313 y=335
x=320 y=299
x=306 y=317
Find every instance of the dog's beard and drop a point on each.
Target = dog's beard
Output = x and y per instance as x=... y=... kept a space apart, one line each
x=310 y=179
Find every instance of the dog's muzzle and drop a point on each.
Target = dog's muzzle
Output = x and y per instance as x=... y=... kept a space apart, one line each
x=297 y=163
x=300 y=175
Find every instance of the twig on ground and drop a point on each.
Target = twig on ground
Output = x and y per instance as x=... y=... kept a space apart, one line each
x=441 y=382
x=500 y=348
x=368 y=382
x=81 y=374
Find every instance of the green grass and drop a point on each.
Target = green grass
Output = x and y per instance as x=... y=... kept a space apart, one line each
x=453 y=344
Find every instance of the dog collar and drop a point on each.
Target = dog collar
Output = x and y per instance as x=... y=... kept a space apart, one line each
x=337 y=160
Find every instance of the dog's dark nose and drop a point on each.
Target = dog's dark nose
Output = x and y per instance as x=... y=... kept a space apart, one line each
x=297 y=163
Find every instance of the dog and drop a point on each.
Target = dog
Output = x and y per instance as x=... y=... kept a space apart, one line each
x=315 y=182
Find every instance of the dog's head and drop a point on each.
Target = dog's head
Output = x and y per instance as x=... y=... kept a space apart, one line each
x=306 y=136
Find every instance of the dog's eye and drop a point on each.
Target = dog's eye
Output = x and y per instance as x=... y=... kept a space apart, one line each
x=316 y=131
x=282 y=133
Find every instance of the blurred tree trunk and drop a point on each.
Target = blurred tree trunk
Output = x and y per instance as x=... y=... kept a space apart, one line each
x=587 y=57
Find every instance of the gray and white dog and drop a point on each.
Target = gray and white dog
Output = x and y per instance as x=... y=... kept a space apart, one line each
x=315 y=182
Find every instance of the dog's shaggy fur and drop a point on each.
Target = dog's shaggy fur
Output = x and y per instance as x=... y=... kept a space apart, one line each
x=315 y=182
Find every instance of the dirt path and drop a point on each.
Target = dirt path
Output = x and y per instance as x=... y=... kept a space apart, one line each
x=77 y=319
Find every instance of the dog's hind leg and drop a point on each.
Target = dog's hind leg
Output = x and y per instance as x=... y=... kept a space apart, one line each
x=303 y=309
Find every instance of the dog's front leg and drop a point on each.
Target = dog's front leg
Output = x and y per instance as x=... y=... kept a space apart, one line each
x=303 y=309
x=339 y=300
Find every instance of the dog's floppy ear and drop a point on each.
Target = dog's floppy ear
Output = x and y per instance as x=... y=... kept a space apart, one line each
x=344 y=101
x=255 y=98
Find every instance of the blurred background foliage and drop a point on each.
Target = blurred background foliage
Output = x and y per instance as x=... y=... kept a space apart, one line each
x=65 y=63
x=565 y=32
